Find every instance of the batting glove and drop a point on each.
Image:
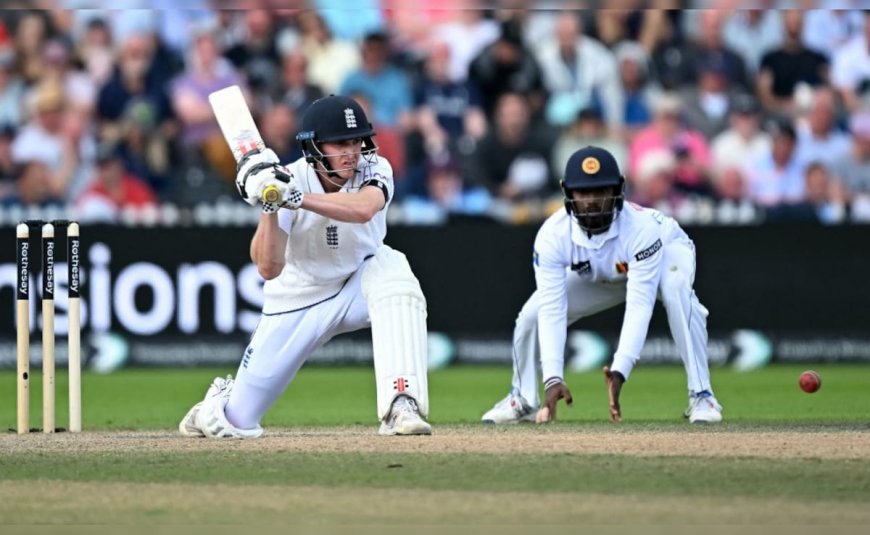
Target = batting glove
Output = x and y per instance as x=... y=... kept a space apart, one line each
x=253 y=171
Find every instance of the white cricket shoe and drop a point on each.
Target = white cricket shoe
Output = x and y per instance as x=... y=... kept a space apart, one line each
x=703 y=409
x=218 y=387
x=404 y=419
x=513 y=409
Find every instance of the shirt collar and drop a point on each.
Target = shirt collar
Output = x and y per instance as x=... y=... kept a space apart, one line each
x=596 y=241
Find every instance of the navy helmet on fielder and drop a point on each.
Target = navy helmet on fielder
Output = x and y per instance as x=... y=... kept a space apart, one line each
x=593 y=168
x=331 y=119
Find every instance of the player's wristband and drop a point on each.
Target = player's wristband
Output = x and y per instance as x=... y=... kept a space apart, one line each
x=270 y=207
x=553 y=381
x=294 y=200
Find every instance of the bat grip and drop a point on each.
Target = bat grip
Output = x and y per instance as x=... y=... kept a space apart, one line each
x=271 y=194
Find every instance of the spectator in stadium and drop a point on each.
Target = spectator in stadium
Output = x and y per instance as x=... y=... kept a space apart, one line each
x=689 y=147
x=11 y=89
x=823 y=201
x=79 y=88
x=729 y=183
x=853 y=170
x=206 y=72
x=231 y=30
x=93 y=50
x=330 y=60
x=850 y=71
x=296 y=90
x=278 y=125
x=819 y=138
x=634 y=24
x=390 y=141
x=33 y=186
x=145 y=148
x=777 y=177
x=113 y=190
x=46 y=138
x=653 y=185
x=257 y=57
x=507 y=66
x=633 y=64
x=448 y=118
x=784 y=68
x=148 y=23
x=366 y=18
x=538 y=25
x=579 y=72
x=710 y=47
x=588 y=128
x=447 y=113
x=513 y=160
x=445 y=193
x=8 y=169
x=831 y=25
x=467 y=35
x=706 y=106
x=413 y=29
x=134 y=77
x=744 y=139
x=385 y=86
x=30 y=33
x=753 y=32
x=827 y=196
x=677 y=61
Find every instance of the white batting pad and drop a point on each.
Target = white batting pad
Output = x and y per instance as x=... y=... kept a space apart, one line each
x=398 y=312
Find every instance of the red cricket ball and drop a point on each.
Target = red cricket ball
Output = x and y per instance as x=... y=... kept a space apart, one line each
x=810 y=381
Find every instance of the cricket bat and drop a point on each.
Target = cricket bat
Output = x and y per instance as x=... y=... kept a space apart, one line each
x=238 y=127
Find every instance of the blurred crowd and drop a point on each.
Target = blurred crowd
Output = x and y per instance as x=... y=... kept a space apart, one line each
x=715 y=115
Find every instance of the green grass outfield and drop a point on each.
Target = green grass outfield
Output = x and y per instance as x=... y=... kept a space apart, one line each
x=157 y=398
x=781 y=457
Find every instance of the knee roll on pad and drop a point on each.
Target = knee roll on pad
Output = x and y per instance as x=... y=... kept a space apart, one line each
x=397 y=309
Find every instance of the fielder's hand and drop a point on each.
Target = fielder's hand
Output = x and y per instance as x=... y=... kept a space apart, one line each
x=614 y=382
x=556 y=390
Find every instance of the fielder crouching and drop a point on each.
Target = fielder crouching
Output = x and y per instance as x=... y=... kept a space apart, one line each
x=597 y=253
x=327 y=270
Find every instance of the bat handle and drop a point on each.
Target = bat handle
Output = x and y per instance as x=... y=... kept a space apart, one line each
x=271 y=194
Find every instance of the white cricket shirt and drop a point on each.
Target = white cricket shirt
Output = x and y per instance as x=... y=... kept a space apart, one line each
x=323 y=253
x=629 y=254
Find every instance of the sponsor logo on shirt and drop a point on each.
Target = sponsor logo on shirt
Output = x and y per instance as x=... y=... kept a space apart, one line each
x=649 y=251
x=582 y=268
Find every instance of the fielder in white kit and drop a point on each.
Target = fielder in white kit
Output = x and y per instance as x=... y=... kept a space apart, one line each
x=596 y=254
x=327 y=272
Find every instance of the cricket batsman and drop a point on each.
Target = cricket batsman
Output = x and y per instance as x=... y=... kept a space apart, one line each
x=321 y=250
x=596 y=254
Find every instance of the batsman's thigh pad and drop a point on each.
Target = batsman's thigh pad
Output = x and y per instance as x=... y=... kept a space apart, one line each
x=397 y=309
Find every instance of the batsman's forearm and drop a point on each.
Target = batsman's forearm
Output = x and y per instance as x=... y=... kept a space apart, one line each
x=347 y=207
x=268 y=246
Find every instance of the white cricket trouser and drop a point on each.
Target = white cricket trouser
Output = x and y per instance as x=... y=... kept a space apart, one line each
x=282 y=343
x=687 y=319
